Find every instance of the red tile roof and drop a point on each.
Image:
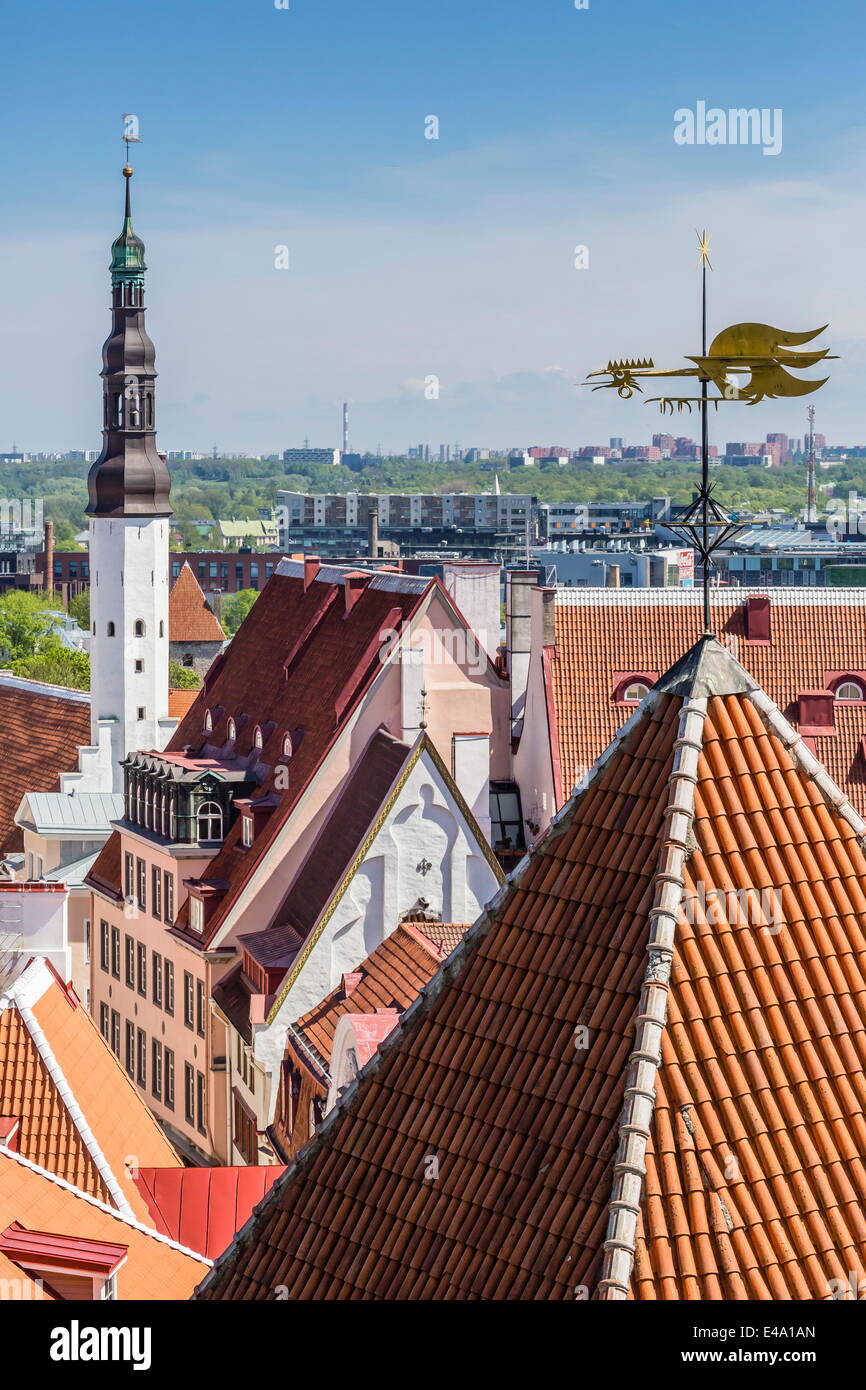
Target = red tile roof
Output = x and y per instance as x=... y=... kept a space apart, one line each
x=603 y=634
x=80 y=1115
x=190 y=616
x=203 y=1208
x=180 y=702
x=43 y=726
x=567 y=1161
x=275 y=676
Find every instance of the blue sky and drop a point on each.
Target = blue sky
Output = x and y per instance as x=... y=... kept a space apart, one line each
x=411 y=257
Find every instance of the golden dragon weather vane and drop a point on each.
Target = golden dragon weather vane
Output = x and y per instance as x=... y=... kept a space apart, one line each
x=761 y=354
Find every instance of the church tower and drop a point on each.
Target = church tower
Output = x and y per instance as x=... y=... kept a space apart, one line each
x=129 y=509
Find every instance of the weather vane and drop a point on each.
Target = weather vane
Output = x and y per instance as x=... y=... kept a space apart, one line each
x=756 y=351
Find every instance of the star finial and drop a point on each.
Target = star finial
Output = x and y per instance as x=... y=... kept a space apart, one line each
x=704 y=248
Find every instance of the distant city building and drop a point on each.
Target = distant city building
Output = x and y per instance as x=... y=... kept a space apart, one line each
x=12 y=458
x=616 y=441
x=563 y=521
x=293 y=457
x=748 y=460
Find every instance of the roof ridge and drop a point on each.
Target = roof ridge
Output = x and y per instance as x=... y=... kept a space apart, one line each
x=128 y=1220
x=629 y=1169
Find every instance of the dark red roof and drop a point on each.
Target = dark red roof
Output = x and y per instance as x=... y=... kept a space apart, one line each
x=333 y=659
x=202 y=1208
x=43 y=728
x=630 y=1085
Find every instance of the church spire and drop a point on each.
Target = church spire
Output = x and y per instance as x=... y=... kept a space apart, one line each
x=129 y=478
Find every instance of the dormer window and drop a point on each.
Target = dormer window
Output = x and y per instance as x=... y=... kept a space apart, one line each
x=287 y=746
x=246 y=831
x=196 y=914
x=232 y=729
x=634 y=693
x=849 y=690
x=258 y=738
x=210 y=822
x=208 y=722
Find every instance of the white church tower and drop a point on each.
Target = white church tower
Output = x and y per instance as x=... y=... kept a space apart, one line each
x=129 y=509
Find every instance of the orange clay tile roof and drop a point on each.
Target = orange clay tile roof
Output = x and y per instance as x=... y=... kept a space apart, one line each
x=602 y=634
x=569 y=1160
x=190 y=616
x=88 y=1120
x=43 y=726
x=155 y=1268
x=179 y=701
x=391 y=976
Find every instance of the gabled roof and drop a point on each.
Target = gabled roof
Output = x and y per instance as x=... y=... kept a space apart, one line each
x=154 y=1267
x=43 y=727
x=80 y=1115
x=392 y=976
x=87 y=814
x=603 y=634
x=202 y=1208
x=190 y=616
x=642 y=1073
x=298 y=665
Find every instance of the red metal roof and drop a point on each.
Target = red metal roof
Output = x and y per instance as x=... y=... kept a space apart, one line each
x=203 y=1208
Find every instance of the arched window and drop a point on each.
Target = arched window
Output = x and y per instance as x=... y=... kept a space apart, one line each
x=287 y=745
x=163 y=797
x=849 y=690
x=172 y=819
x=148 y=808
x=635 y=692
x=210 y=821
x=110 y=629
x=208 y=722
x=232 y=729
x=138 y=807
x=138 y=629
x=258 y=738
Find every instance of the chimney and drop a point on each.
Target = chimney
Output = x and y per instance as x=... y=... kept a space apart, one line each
x=216 y=603
x=613 y=576
x=518 y=634
x=48 y=583
x=548 y=617
x=470 y=768
x=354 y=584
x=373 y=529
x=758 y=618
x=311 y=569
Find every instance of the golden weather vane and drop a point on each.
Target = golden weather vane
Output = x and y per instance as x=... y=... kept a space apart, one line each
x=763 y=355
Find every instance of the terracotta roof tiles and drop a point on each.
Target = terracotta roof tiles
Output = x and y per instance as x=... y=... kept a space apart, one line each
x=630 y=1084
x=190 y=616
x=43 y=726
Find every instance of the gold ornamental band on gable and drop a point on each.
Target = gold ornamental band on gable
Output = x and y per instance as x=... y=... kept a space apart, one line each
x=424 y=744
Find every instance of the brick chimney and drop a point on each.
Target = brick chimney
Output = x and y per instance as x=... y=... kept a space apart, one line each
x=354 y=584
x=311 y=569
x=48 y=583
x=816 y=712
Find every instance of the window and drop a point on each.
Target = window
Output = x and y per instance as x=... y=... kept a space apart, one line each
x=142 y=712
x=849 y=690
x=232 y=729
x=168 y=1079
x=141 y=1071
x=130 y=1048
x=187 y=998
x=169 y=987
x=87 y=941
x=635 y=692
x=110 y=629
x=156 y=1069
x=108 y=1288
x=506 y=824
x=128 y=874
x=287 y=746
x=156 y=891
x=168 y=884
x=115 y=952
x=156 y=976
x=258 y=738
x=139 y=666
x=141 y=875
x=138 y=629
x=142 y=969
x=210 y=821
x=246 y=831
x=199 y=1007
x=187 y=659
x=208 y=722
x=200 y=1102
x=129 y=953
x=188 y=1093
x=103 y=1020
x=103 y=944
x=115 y=1032
x=244 y=1131
x=196 y=914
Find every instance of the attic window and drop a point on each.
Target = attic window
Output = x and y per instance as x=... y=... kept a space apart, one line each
x=287 y=746
x=208 y=722
x=246 y=831
x=849 y=690
x=196 y=914
x=635 y=692
x=232 y=729
x=258 y=738
x=210 y=822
